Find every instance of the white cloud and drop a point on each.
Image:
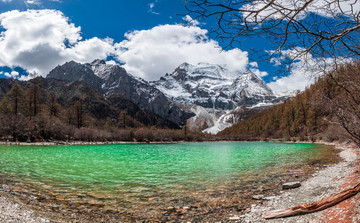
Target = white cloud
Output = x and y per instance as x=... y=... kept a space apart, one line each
x=259 y=73
x=12 y=74
x=111 y=62
x=299 y=79
x=191 y=21
x=254 y=64
x=152 y=53
x=303 y=73
x=33 y=2
x=6 y=1
x=289 y=7
x=38 y=40
x=151 y=8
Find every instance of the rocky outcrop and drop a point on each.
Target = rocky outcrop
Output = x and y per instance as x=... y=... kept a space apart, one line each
x=72 y=71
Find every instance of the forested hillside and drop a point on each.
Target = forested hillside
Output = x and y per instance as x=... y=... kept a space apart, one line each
x=47 y=109
x=328 y=109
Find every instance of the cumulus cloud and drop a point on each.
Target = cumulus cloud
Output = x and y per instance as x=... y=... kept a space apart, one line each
x=298 y=80
x=152 y=53
x=12 y=74
x=303 y=73
x=38 y=40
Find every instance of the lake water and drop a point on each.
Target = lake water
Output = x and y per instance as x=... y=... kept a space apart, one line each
x=142 y=175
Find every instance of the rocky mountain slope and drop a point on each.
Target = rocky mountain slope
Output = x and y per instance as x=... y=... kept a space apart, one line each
x=99 y=107
x=111 y=79
x=215 y=94
x=215 y=86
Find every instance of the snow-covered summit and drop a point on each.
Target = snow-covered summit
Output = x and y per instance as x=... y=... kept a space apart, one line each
x=214 y=86
x=210 y=70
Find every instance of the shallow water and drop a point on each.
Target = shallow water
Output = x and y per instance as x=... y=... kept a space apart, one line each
x=141 y=175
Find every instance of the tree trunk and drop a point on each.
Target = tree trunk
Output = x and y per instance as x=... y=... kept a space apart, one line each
x=315 y=206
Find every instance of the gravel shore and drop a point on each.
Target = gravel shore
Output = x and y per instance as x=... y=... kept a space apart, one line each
x=13 y=210
x=321 y=185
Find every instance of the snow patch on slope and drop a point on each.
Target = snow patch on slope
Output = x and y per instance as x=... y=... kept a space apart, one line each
x=220 y=124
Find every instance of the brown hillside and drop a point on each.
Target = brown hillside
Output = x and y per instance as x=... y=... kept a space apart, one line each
x=329 y=108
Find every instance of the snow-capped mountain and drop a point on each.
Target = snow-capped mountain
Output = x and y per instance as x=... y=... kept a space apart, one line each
x=215 y=93
x=112 y=79
x=214 y=86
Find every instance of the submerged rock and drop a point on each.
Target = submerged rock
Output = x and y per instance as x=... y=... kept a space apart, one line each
x=291 y=185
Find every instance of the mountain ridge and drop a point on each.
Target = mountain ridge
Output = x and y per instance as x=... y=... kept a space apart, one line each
x=113 y=79
x=215 y=94
x=214 y=86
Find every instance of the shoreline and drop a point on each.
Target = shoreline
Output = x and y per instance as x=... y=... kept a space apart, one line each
x=322 y=184
x=16 y=208
x=73 y=143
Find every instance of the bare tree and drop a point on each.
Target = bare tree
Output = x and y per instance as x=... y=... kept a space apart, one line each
x=79 y=113
x=15 y=96
x=33 y=98
x=322 y=28
x=53 y=106
x=340 y=94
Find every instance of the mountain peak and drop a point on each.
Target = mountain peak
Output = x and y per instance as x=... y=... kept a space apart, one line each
x=214 y=86
x=252 y=84
x=98 y=62
x=74 y=71
x=184 y=66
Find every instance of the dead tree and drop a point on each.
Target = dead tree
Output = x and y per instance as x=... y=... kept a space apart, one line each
x=306 y=27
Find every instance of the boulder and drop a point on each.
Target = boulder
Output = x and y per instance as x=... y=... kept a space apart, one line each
x=257 y=197
x=291 y=185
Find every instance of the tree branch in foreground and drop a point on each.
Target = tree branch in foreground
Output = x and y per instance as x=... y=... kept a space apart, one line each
x=315 y=206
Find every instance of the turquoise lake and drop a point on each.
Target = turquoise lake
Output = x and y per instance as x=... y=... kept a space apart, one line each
x=128 y=174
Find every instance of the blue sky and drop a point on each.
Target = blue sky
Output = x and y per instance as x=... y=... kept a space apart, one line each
x=145 y=35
